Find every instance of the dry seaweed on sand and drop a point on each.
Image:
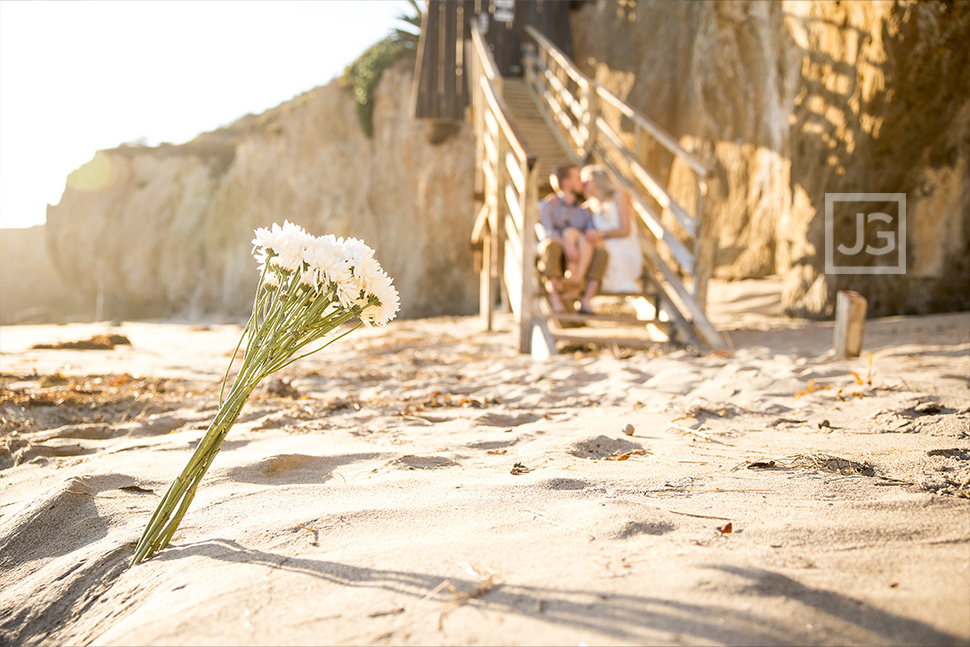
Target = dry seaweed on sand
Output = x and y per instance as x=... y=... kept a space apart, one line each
x=107 y=399
x=842 y=393
x=700 y=412
x=97 y=342
x=813 y=461
x=812 y=387
x=693 y=432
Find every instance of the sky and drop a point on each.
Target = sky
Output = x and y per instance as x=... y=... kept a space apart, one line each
x=79 y=76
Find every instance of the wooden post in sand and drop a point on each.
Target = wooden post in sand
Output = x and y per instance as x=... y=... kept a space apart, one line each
x=850 y=323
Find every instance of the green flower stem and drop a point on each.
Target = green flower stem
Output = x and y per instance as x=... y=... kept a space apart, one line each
x=259 y=302
x=285 y=320
x=341 y=336
x=166 y=519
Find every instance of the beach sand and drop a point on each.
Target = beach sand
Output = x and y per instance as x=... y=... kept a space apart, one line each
x=423 y=484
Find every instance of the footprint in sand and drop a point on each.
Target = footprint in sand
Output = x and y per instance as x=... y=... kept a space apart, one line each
x=293 y=469
x=413 y=462
x=567 y=484
x=603 y=447
x=63 y=519
x=635 y=528
x=503 y=420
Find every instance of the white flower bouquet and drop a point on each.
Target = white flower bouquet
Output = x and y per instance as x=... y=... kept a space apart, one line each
x=309 y=287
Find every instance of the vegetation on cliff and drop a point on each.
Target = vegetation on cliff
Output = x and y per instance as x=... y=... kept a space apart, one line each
x=364 y=74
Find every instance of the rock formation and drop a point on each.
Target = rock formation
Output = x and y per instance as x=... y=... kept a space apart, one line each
x=31 y=290
x=789 y=100
x=165 y=231
x=793 y=100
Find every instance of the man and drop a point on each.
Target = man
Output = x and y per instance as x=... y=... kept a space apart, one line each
x=567 y=237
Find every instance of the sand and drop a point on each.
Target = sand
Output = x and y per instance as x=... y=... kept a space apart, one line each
x=423 y=484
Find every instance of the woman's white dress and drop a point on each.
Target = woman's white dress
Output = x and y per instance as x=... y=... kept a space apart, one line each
x=625 y=263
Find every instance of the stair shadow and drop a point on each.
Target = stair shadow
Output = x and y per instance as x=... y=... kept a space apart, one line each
x=624 y=617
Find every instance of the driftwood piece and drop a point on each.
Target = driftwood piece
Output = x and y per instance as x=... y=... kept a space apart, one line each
x=850 y=323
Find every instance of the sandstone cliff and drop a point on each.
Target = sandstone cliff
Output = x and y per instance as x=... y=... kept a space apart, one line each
x=789 y=100
x=166 y=230
x=31 y=291
x=793 y=100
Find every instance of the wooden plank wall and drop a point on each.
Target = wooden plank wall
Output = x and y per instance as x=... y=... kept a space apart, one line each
x=504 y=37
x=551 y=17
x=440 y=84
x=440 y=90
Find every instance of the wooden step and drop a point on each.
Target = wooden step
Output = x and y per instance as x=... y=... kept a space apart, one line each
x=593 y=336
x=534 y=129
x=604 y=329
x=578 y=317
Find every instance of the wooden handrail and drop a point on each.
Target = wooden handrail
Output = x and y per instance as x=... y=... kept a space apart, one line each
x=505 y=224
x=482 y=53
x=582 y=115
x=701 y=167
x=657 y=191
x=506 y=123
x=532 y=67
x=563 y=62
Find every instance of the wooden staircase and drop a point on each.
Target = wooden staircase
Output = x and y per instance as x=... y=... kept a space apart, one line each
x=533 y=126
x=616 y=321
x=526 y=128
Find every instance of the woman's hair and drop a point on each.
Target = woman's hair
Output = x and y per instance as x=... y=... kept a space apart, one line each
x=601 y=178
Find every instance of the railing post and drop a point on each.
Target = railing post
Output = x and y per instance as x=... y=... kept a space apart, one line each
x=478 y=119
x=487 y=284
x=501 y=177
x=705 y=248
x=529 y=203
x=592 y=112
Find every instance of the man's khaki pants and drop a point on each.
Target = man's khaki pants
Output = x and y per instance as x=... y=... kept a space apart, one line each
x=552 y=261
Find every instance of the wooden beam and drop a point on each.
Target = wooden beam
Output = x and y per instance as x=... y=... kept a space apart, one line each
x=850 y=323
x=683 y=256
x=558 y=57
x=480 y=228
x=705 y=250
x=487 y=285
x=646 y=178
x=530 y=279
x=700 y=167
x=497 y=106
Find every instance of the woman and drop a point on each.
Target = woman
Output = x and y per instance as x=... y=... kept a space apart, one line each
x=613 y=217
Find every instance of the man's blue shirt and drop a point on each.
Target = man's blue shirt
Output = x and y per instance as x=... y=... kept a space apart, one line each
x=556 y=216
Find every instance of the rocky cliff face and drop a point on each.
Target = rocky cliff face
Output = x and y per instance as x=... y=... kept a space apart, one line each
x=789 y=100
x=166 y=231
x=31 y=291
x=793 y=100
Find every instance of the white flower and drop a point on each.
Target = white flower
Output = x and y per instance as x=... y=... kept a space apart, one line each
x=310 y=278
x=325 y=255
x=263 y=245
x=344 y=265
x=383 y=291
x=290 y=244
x=265 y=239
x=348 y=292
x=355 y=251
x=369 y=272
x=271 y=280
x=282 y=246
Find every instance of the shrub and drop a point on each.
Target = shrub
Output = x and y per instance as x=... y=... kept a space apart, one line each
x=364 y=74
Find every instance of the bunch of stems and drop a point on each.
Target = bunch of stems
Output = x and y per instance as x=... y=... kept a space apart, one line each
x=286 y=319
